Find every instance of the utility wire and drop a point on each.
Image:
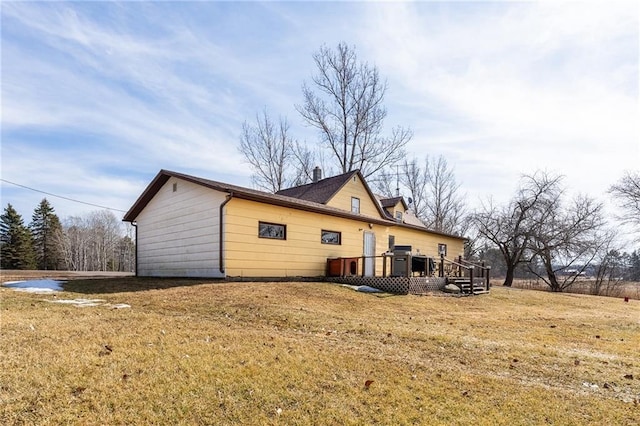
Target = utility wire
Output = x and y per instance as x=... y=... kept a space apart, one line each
x=60 y=196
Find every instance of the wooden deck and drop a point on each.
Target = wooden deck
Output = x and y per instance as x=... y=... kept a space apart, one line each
x=471 y=279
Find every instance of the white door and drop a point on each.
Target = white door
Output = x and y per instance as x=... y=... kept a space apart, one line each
x=369 y=250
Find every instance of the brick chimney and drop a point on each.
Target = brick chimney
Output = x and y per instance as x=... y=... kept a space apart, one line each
x=317 y=174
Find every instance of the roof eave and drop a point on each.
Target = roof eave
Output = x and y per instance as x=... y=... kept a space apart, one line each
x=280 y=200
x=320 y=208
x=150 y=191
x=431 y=231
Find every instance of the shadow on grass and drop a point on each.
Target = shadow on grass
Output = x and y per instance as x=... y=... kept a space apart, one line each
x=131 y=284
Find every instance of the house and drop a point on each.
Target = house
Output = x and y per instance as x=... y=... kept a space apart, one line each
x=188 y=226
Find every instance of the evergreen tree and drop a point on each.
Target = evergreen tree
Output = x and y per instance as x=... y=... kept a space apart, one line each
x=16 y=245
x=634 y=266
x=46 y=230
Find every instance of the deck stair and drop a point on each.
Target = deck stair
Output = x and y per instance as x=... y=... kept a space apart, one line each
x=465 y=285
x=471 y=278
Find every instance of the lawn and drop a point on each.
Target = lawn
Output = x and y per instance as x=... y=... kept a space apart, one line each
x=196 y=352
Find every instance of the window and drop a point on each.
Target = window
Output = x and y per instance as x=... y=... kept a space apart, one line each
x=355 y=205
x=330 y=237
x=392 y=242
x=399 y=216
x=442 y=249
x=272 y=230
x=175 y=186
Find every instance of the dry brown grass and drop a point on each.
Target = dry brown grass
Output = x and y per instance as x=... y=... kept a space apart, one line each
x=190 y=352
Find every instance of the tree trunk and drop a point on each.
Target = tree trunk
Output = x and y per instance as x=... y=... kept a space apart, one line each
x=553 y=280
x=508 y=279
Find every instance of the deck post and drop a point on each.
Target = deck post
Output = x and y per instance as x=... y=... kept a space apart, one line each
x=384 y=265
x=441 y=272
x=487 y=280
x=485 y=275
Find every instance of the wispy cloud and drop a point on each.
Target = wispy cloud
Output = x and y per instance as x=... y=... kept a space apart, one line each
x=127 y=89
x=531 y=85
x=96 y=97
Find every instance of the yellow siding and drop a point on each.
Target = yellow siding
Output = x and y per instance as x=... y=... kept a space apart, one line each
x=397 y=208
x=355 y=188
x=426 y=243
x=302 y=253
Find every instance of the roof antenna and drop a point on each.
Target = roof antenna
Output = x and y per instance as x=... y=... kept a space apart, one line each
x=397 y=182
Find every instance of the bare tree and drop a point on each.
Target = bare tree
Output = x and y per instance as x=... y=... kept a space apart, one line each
x=627 y=191
x=106 y=233
x=75 y=244
x=305 y=161
x=565 y=239
x=432 y=191
x=504 y=226
x=97 y=242
x=383 y=183
x=445 y=207
x=508 y=227
x=415 y=179
x=345 y=104
x=475 y=246
x=126 y=252
x=610 y=268
x=269 y=149
x=408 y=179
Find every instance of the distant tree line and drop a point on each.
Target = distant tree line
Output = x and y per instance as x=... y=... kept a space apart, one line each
x=97 y=241
x=612 y=264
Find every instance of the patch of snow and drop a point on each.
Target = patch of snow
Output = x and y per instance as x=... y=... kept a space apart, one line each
x=352 y=287
x=84 y=303
x=367 y=289
x=47 y=286
x=35 y=286
x=81 y=303
x=118 y=306
x=362 y=288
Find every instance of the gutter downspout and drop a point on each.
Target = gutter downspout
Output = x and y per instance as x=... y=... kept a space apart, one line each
x=221 y=228
x=135 y=226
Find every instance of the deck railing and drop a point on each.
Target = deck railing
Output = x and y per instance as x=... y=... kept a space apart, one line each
x=477 y=274
x=470 y=276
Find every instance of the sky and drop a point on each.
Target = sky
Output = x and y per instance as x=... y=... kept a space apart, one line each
x=97 y=97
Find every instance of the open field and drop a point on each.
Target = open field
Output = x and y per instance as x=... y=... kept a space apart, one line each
x=620 y=289
x=192 y=352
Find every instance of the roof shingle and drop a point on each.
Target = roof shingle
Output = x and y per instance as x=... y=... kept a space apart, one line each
x=389 y=202
x=318 y=192
x=279 y=199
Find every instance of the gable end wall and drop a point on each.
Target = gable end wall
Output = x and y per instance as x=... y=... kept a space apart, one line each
x=355 y=188
x=178 y=232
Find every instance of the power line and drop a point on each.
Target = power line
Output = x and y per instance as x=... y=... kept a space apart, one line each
x=60 y=196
